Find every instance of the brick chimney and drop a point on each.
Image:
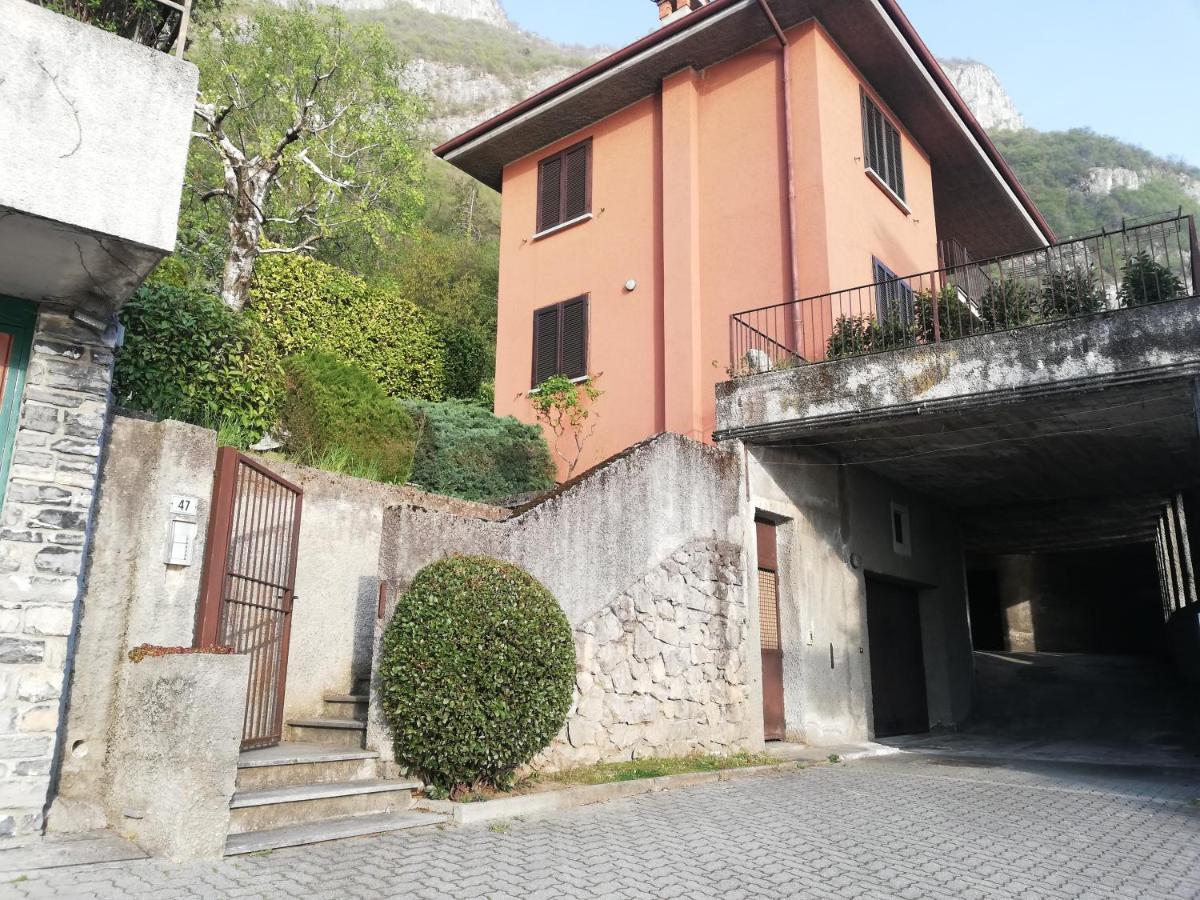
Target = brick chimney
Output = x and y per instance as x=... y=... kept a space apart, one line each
x=670 y=10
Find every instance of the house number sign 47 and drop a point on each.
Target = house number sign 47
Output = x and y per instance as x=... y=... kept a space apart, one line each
x=183 y=516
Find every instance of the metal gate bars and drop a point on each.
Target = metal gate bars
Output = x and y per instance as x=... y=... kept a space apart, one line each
x=248 y=585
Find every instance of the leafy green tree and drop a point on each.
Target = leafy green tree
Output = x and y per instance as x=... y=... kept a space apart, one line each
x=302 y=136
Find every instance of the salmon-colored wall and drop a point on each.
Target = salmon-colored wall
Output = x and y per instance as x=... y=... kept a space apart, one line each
x=689 y=198
x=598 y=257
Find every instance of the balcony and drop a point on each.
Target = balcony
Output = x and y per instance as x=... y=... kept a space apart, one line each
x=1051 y=397
x=96 y=132
x=1134 y=266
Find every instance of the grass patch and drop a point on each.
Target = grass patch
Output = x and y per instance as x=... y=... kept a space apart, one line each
x=610 y=773
x=637 y=769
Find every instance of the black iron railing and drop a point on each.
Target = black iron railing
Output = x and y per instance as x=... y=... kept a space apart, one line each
x=1135 y=265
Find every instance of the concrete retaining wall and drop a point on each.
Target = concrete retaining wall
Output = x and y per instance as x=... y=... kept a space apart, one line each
x=176 y=746
x=133 y=597
x=641 y=554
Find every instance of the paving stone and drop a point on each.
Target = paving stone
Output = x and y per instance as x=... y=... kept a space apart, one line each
x=874 y=829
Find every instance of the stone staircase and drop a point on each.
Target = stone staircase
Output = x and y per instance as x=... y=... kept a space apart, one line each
x=320 y=784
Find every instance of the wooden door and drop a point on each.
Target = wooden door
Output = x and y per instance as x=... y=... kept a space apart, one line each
x=770 y=637
x=897 y=659
x=249 y=583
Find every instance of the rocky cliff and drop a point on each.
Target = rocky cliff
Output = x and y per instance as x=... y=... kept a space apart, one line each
x=984 y=93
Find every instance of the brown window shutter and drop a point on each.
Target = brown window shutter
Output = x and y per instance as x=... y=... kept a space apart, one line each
x=573 y=337
x=576 y=182
x=550 y=176
x=545 y=344
x=768 y=550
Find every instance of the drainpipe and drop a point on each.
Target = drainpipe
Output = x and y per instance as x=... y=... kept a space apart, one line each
x=793 y=225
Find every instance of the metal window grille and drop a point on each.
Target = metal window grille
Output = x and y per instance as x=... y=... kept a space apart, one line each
x=768 y=609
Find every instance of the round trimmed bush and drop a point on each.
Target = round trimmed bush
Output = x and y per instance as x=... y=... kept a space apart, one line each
x=477 y=672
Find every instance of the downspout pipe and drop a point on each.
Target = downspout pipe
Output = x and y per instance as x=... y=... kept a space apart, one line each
x=790 y=153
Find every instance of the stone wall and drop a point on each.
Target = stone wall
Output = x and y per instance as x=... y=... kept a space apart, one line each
x=43 y=539
x=644 y=554
x=661 y=670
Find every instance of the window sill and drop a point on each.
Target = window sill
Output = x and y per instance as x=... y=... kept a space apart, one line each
x=563 y=226
x=886 y=188
x=580 y=380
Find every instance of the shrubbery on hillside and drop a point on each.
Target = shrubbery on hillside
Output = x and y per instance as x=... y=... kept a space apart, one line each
x=187 y=356
x=303 y=304
x=336 y=416
x=467 y=452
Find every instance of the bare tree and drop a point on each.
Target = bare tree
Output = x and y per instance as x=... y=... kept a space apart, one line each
x=309 y=133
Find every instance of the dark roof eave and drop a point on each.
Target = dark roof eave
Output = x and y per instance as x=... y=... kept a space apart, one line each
x=934 y=68
x=890 y=7
x=597 y=68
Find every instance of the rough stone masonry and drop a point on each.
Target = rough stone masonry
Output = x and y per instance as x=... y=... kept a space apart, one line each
x=43 y=540
x=660 y=670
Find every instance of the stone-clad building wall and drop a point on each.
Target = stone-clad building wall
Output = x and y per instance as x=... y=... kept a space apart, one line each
x=43 y=540
x=660 y=672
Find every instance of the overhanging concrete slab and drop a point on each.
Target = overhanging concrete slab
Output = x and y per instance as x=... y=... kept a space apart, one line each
x=1059 y=436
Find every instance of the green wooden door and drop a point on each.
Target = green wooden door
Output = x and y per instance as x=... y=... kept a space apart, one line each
x=16 y=337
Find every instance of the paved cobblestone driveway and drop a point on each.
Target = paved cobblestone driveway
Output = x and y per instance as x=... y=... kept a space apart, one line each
x=910 y=827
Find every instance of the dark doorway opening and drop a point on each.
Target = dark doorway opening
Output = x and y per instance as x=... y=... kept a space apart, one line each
x=898 y=689
x=987 y=613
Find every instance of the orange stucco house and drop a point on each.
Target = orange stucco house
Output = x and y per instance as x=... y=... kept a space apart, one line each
x=745 y=154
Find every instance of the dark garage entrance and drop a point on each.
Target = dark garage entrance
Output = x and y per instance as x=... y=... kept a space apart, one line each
x=897 y=659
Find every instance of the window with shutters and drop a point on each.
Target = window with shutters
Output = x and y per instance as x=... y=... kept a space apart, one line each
x=894 y=298
x=560 y=340
x=881 y=147
x=565 y=187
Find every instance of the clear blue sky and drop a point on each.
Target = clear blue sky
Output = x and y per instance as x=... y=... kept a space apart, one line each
x=1118 y=67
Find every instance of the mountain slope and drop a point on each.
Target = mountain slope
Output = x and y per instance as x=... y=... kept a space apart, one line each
x=469 y=69
x=1082 y=181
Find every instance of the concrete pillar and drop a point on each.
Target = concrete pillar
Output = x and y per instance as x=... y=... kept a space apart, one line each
x=1185 y=551
x=1172 y=531
x=683 y=383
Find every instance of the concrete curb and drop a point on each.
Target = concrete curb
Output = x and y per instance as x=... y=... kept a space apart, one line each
x=586 y=795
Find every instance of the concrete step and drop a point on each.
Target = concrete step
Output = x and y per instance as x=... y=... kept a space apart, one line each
x=307 y=804
x=347 y=706
x=354 y=826
x=295 y=764
x=337 y=732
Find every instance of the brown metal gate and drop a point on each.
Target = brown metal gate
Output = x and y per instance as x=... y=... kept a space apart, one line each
x=249 y=583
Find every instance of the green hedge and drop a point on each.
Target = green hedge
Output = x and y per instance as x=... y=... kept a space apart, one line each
x=303 y=304
x=477 y=671
x=467 y=452
x=187 y=356
x=337 y=417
